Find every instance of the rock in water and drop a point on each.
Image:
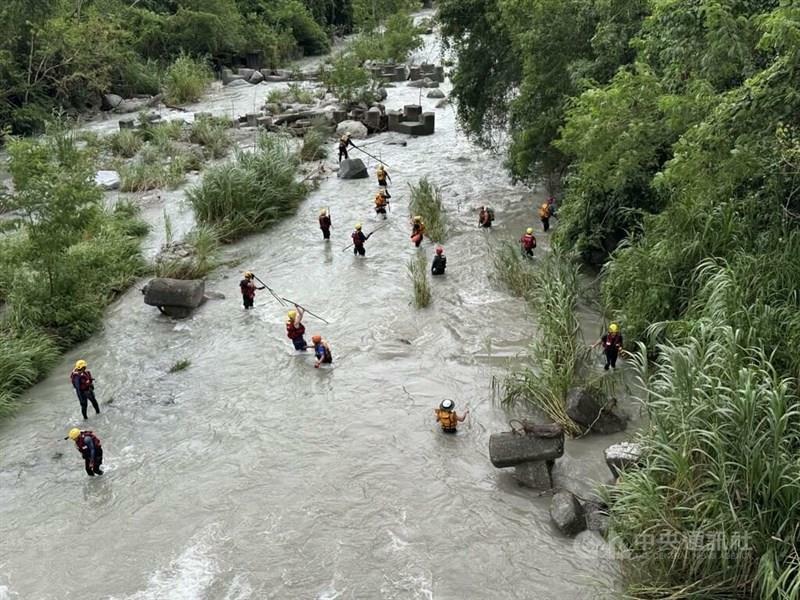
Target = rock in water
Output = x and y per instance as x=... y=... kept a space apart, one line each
x=237 y=83
x=443 y=102
x=586 y=408
x=534 y=475
x=108 y=180
x=567 y=514
x=164 y=292
x=596 y=517
x=356 y=129
x=509 y=449
x=435 y=93
x=622 y=456
x=256 y=77
x=111 y=101
x=352 y=168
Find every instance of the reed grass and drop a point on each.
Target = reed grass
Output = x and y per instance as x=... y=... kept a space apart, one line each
x=180 y=365
x=426 y=201
x=418 y=273
x=251 y=192
x=513 y=269
x=557 y=353
x=202 y=244
x=315 y=144
x=125 y=143
x=295 y=93
x=24 y=359
x=186 y=79
x=213 y=135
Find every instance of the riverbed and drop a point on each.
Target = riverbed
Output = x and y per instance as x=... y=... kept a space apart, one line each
x=253 y=475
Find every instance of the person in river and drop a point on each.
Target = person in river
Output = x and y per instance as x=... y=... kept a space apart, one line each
x=381 y=203
x=382 y=174
x=88 y=444
x=344 y=142
x=439 y=262
x=83 y=382
x=544 y=216
x=612 y=345
x=528 y=242
x=485 y=217
x=417 y=230
x=359 y=239
x=248 y=288
x=295 y=330
x=325 y=223
x=447 y=416
x=322 y=351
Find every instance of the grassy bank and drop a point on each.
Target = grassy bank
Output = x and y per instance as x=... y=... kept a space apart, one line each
x=251 y=192
x=64 y=260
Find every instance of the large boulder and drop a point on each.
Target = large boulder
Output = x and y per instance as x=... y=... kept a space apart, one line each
x=356 y=129
x=623 y=456
x=509 y=448
x=435 y=93
x=180 y=293
x=107 y=180
x=131 y=105
x=256 y=78
x=381 y=94
x=238 y=83
x=535 y=475
x=352 y=168
x=245 y=73
x=567 y=513
x=596 y=517
x=588 y=409
x=443 y=102
x=111 y=101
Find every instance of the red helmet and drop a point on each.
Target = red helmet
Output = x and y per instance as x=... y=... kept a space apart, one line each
x=439 y=250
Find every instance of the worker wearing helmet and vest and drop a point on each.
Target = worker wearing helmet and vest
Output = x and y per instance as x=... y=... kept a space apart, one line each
x=447 y=416
x=528 y=242
x=295 y=330
x=382 y=175
x=417 y=230
x=325 y=223
x=344 y=142
x=439 y=262
x=83 y=382
x=544 y=216
x=322 y=351
x=381 y=203
x=612 y=345
x=359 y=238
x=248 y=288
x=88 y=444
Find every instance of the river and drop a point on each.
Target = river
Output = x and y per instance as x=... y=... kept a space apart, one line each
x=253 y=475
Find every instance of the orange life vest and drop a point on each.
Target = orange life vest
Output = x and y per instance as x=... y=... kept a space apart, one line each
x=447 y=419
x=544 y=211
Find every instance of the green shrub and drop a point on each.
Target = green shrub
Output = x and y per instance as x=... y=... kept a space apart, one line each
x=393 y=42
x=186 y=79
x=426 y=201
x=295 y=93
x=347 y=79
x=24 y=359
x=513 y=269
x=125 y=143
x=418 y=273
x=250 y=193
x=203 y=244
x=315 y=144
x=157 y=167
x=213 y=135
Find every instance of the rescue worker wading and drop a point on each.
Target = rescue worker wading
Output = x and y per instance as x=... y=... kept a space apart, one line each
x=322 y=351
x=528 y=242
x=91 y=450
x=325 y=223
x=485 y=217
x=447 y=416
x=344 y=142
x=612 y=345
x=544 y=216
x=417 y=230
x=83 y=382
x=358 y=241
x=439 y=262
x=382 y=174
x=248 y=289
x=295 y=328
x=381 y=203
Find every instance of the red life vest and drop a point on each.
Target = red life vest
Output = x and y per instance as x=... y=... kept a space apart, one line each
x=248 y=288
x=84 y=377
x=81 y=445
x=324 y=222
x=528 y=241
x=613 y=340
x=294 y=331
x=358 y=238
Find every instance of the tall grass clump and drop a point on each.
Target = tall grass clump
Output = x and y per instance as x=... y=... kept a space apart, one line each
x=24 y=359
x=213 y=135
x=714 y=511
x=194 y=258
x=186 y=79
x=251 y=192
x=557 y=353
x=315 y=144
x=418 y=273
x=426 y=201
x=156 y=167
x=514 y=270
x=125 y=143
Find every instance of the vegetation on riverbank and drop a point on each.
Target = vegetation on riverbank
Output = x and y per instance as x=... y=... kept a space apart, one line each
x=64 y=257
x=672 y=126
x=426 y=201
x=418 y=273
x=251 y=192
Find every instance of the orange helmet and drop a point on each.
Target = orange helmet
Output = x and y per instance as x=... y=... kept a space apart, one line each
x=316 y=339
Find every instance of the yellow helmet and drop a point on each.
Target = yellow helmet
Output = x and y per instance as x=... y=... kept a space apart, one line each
x=81 y=364
x=417 y=219
x=358 y=226
x=529 y=230
x=291 y=315
x=613 y=328
x=545 y=205
x=74 y=433
x=248 y=275
x=323 y=211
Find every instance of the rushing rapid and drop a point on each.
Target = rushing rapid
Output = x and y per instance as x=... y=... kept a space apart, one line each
x=253 y=475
